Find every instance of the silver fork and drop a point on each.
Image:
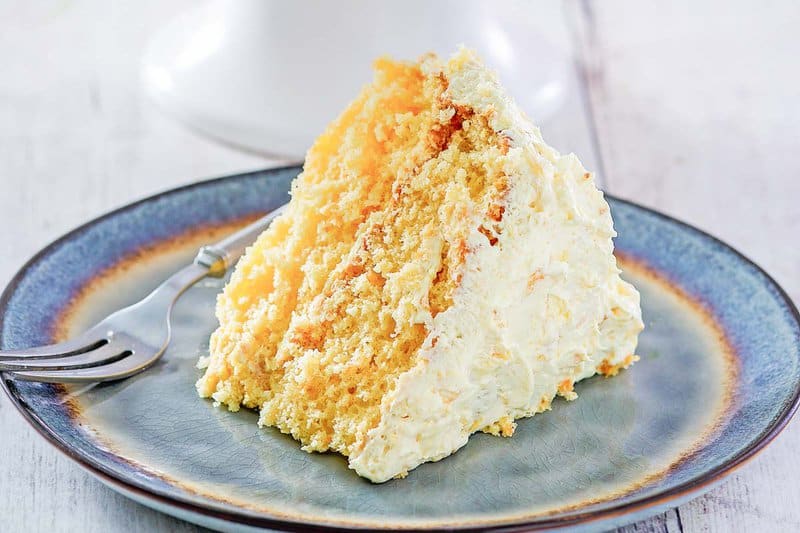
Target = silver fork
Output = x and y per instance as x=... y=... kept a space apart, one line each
x=133 y=338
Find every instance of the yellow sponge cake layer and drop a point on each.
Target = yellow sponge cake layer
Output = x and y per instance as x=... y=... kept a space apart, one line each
x=348 y=174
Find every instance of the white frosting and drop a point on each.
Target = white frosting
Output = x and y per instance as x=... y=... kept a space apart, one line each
x=503 y=347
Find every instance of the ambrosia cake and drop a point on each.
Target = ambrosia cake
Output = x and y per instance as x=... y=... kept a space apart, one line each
x=439 y=270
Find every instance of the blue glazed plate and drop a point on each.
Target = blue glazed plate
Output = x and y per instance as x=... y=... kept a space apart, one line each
x=718 y=380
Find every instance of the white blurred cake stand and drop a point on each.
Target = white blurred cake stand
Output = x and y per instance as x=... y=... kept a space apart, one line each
x=267 y=76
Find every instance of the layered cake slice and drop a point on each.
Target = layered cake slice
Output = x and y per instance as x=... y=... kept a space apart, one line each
x=439 y=271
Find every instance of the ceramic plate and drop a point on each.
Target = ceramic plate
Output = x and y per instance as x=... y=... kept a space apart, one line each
x=718 y=380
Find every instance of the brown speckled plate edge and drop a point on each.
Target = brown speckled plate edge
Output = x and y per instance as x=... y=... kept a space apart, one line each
x=630 y=510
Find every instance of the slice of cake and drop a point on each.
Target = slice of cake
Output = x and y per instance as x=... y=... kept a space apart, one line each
x=439 y=270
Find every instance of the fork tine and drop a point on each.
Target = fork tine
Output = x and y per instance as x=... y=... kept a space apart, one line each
x=88 y=341
x=122 y=368
x=105 y=353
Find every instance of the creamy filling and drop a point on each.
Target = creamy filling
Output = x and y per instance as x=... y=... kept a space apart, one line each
x=540 y=309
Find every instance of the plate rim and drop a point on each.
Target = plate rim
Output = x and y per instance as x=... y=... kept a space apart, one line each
x=245 y=517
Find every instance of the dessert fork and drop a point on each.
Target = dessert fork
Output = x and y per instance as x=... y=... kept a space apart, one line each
x=133 y=338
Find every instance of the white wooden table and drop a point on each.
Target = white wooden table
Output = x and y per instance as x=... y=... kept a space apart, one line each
x=689 y=108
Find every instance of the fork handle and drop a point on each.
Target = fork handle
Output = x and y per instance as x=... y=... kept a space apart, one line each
x=220 y=256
